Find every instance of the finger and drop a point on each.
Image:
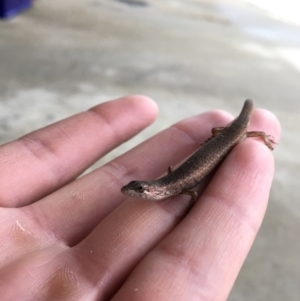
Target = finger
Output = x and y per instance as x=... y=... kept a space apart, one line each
x=38 y=163
x=77 y=208
x=201 y=257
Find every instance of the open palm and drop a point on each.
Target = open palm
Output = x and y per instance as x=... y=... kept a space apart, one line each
x=64 y=238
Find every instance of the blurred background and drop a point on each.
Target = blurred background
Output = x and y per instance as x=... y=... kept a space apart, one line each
x=61 y=57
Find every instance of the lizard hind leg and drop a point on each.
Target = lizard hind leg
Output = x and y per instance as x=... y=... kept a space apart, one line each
x=268 y=140
x=214 y=132
x=217 y=130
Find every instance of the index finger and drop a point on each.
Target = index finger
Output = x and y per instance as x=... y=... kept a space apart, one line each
x=43 y=161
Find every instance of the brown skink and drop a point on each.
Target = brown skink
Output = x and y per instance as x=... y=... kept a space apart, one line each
x=201 y=163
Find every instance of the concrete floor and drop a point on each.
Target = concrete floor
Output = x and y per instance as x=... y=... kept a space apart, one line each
x=62 y=57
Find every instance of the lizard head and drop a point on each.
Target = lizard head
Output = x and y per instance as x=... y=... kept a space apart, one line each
x=144 y=190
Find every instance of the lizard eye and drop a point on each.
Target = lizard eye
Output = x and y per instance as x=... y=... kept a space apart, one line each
x=140 y=188
x=137 y=186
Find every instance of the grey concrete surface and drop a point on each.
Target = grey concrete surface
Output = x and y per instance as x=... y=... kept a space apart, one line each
x=62 y=57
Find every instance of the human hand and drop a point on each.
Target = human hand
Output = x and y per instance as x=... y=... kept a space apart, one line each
x=67 y=239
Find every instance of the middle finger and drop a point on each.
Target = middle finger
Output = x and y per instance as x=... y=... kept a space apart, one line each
x=77 y=208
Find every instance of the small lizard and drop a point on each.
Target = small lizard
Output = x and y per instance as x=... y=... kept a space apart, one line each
x=201 y=163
